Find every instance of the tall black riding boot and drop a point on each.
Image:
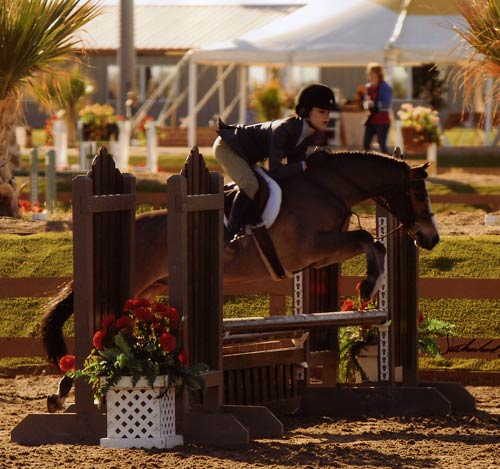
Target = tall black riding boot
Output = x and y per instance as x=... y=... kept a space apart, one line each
x=239 y=216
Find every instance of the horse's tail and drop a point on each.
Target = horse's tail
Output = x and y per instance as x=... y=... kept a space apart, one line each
x=57 y=312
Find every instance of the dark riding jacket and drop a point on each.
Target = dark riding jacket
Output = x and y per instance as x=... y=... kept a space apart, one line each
x=273 y=140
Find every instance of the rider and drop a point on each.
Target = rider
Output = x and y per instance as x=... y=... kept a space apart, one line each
x=240 y=147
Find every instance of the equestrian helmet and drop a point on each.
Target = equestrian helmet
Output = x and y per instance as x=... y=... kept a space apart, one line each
x=315 y=95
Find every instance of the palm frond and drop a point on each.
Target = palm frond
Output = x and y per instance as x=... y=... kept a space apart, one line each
x=481 y=42
x=34 y=34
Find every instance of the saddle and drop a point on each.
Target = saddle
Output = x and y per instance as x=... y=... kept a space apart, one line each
x=267 y=203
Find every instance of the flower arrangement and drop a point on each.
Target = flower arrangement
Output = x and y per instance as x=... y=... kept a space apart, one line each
x=270 y=101
x=353 y=340
x=423 y=122
x=99 y=122
x=144 y=341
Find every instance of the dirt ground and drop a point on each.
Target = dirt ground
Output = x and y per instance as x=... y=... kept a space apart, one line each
x=458 y=441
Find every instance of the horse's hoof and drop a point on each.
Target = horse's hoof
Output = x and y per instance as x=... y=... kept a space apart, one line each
x=53 y=403
x=365 y=291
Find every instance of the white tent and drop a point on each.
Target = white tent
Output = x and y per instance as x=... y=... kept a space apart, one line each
x=343 y=33
x=425 y=34
x=324 y=32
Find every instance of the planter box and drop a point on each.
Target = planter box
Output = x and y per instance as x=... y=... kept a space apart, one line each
x=138 y=418
x=411 y=142
x=368 y=360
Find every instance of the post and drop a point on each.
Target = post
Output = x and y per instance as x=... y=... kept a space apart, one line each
x=61 y=142
x=243 y=94
x=50 y=181
x=123 y=146
x=432 y=158
x=152 y=147
x=192 y=98
x=34 y=176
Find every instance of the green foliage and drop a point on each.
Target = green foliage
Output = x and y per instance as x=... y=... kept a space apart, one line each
x=429 y=329
x=270 y=101
x=35 y=34
x=472 y=318
x=244 y=306
x=352 y=341
x=38 y=255
x=471 y=364
x=21 y=317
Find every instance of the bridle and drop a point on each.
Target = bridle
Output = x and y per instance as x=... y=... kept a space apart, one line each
x=411 y=197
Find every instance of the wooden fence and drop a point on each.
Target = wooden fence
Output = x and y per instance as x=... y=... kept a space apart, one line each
x=431 y=288
x=158 y=199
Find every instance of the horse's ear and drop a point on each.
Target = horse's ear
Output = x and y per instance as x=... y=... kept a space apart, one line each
x=397 y=153
x=420 y=170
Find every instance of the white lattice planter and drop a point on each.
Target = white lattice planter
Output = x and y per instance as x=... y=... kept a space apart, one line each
x=138 y=418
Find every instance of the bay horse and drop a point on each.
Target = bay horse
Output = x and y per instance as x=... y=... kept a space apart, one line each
x=310 y=230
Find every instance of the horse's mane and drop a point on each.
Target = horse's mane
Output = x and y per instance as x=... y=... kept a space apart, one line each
x=347 y=157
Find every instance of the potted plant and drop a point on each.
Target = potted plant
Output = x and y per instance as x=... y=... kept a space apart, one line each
x=358 y=346
x=99 y=122
x=358 y=354
x=428 y=330
x=419 y=126
x=136 y=363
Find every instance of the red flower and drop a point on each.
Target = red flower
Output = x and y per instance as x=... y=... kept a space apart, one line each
x=123 y=322
x=347 y=305
x=167 y=342
x=183 y=358
x=173 y=316
x=67 y=363
x=143 y=313
x=358 y=286
x=421 y=318
x=98 y=338
x=160 y=308
x=107 y=320
x=136 y=303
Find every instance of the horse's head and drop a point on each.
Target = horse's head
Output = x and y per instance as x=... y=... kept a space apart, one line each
x=413 y=208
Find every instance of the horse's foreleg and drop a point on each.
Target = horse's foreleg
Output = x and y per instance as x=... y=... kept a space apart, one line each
x=333 y=247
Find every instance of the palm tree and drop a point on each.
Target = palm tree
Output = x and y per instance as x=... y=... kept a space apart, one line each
x=481 y=35
x=34 y=36
x=67 y=91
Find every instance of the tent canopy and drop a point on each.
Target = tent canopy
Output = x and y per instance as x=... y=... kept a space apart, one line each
x=427 y=35
x=348 y=33
x=320 y=33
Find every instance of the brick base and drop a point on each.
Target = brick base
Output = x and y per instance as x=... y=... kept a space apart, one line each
x=177 y=136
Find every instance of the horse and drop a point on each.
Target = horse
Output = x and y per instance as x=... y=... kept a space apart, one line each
x=311 y=229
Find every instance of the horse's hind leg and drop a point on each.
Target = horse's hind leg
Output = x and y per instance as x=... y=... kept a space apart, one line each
x=332 y=247
x=55 y=402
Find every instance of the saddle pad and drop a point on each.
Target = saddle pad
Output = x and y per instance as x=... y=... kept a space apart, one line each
x=273 y=205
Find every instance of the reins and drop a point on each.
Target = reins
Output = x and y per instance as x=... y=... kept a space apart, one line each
x=377 y=199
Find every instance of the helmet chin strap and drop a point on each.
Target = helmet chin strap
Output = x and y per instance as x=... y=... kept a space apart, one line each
x=310 y=124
